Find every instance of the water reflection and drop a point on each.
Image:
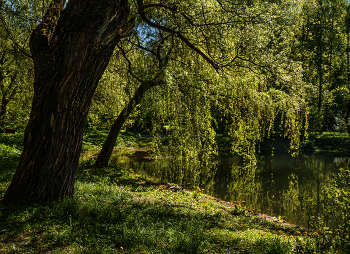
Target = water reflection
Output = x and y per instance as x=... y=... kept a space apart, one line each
x=278 y=186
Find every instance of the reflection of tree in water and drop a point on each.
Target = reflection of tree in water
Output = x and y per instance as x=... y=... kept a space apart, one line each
x=186 y=171
x=328 y=207
x=189 y=171
x=243 y=186
x=281 y=185
x=278 y=186
x=291 y=197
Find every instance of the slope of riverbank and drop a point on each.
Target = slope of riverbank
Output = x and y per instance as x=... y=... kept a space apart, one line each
x=118 y=211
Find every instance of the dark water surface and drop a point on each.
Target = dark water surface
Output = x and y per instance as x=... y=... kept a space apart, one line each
x=279 y=185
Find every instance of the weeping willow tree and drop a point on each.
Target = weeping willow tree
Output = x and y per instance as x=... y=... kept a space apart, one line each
x=261 y=83
x=265 y=83
x=246 y=72
x=74 y=42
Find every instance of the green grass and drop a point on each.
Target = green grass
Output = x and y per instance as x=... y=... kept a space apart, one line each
x=327 y=142
x=118 y=211
x=94 y=139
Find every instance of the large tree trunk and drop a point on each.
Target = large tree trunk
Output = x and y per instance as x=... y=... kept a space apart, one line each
x=70 y=50
x=346 y=118
x=347 y=115
x=107 y=148
x=320 y=78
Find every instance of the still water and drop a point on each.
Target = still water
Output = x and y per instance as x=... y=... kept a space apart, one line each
x=279 y=185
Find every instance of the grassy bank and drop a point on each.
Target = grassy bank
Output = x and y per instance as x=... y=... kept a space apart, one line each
x=119 y=211
x=328 y=142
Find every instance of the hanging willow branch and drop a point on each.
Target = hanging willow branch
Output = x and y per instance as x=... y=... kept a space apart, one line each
x=21 y=49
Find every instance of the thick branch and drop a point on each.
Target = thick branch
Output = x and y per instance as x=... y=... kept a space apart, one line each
x=40 y=37
x=172 y=8
x=346 y=118
x=49 y=22
x=177 y=33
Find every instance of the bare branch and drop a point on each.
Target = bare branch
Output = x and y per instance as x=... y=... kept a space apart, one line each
x=127 y=59
x=142 y=47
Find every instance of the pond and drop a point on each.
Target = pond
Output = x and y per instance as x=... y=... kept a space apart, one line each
x=280 y=185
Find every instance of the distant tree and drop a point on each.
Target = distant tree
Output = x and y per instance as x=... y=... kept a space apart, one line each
x=320 y=44
x=15 y=68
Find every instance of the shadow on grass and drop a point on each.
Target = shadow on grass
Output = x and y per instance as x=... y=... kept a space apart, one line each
x=117 y=211
x=105 y=219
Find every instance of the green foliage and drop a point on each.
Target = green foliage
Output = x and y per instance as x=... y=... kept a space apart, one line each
x=11 y=146
x=327 y=142
x=333 y=203
x=15 y=65
x=115 y=210
x=259 y=83
x=320 y=45
x=9 y=158
x=15 y=140
x=93 y=140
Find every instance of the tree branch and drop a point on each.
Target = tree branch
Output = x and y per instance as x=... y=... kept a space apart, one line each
x=172 y=8
x=21 y=49
x=127 y=59
x=177 y=33
x=39 y=40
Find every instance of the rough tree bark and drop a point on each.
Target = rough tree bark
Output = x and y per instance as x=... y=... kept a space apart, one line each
x=71 y=48
x=346 y=118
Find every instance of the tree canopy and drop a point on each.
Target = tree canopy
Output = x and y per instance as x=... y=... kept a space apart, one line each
x=246 y=69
